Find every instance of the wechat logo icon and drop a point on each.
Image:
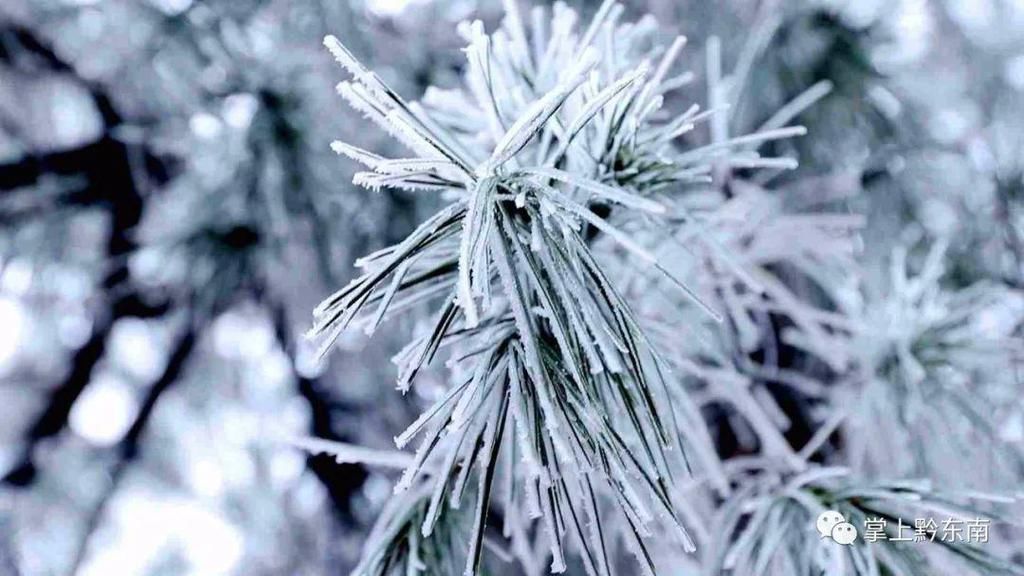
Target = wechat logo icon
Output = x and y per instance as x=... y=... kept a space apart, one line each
x=831 y=524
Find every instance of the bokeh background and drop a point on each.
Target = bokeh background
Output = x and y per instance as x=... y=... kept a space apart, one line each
x=171 y=212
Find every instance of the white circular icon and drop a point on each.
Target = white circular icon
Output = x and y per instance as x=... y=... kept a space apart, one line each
x=844 y=533
x=828 y=520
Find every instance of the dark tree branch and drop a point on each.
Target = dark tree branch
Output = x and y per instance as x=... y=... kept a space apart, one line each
x=23 y=50
x=93 y=161
x=109 y=170
x=340 y=480
x=54 y=417
x=176 y=365
x=111 y=175
x=127 y=450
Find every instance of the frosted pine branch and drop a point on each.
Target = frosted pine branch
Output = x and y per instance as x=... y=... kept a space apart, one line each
x=597 y=277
